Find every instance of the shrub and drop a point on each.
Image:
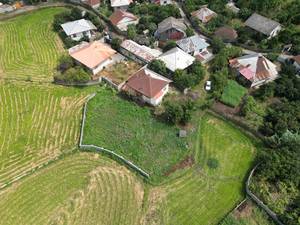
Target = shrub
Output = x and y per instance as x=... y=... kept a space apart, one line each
x=178 y=111
x=72 y=75
x=65 y=63
x=131 y=31
x=158 y=66
x=212 y=163
x=169 y=45
x=116 y=43
x=189 y=32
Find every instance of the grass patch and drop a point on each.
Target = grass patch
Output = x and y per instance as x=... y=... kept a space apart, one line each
x=80 y=189
x=204 y=195
x=29 y=48
x=37 y=124
x=131 y=131
x=233 y=93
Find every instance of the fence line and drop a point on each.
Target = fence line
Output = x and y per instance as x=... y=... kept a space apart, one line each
x=260 y=203
x=101 y=149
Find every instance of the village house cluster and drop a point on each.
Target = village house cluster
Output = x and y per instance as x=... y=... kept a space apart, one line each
x=151 y=87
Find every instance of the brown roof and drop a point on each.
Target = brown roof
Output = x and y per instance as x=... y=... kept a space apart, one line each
x=118 y=15
x=91 y=54
x=144 y=83
x=297 y=58
x=226 y=33
x=93 y=2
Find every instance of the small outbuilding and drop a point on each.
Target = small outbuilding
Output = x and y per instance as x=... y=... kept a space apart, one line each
x=120 y=4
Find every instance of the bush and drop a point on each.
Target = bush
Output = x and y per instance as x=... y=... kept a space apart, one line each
x=217 y=44
x=189 y=32
x=131 y=31
x=116 y=43
x=178 y=111
x=158 y=66
x=212 y=163
x=65 y=63
x=219 y=81
x=72 y=75
x=169 y=45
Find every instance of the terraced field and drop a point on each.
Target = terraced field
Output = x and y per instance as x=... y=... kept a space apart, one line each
x=79 y=189
x=29 y=48
x=201 y=194
x=38 y=123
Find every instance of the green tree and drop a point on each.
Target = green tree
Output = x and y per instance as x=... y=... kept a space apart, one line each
x=116 y=43
x=131 y=31
x=217 y=44
x=158 y=66
x=173 y=112
x=189 y=32
x=169 y=45
x=182 y=79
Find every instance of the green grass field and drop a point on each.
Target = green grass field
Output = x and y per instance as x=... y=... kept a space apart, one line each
x=38 y=123
x=29 y=49
x=79 y=189
x=131 y=131
x=201 y=195
x=233 y=93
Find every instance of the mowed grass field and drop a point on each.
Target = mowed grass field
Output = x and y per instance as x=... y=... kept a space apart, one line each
x=38 y=123
x=233 y=93
x=130 y=130
x=200 y=194
x=81 y=188
x=29 y=48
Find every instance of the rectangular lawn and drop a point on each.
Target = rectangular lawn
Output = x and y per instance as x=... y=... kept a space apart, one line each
x=233 y=93
x=130 y=130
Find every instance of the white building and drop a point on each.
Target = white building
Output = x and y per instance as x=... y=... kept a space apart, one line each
x=148 y=85
x=176 y=59
x=78 y=29
x=120 y=4
x=95 y=56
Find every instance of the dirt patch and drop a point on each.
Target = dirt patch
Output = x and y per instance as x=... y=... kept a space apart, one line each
x=244 y=210
x=224 y=109
x=187 y=162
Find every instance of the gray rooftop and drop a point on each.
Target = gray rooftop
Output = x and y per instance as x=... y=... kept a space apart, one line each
x=78 y=26
x=261 y=24
x=169 y=23
x=192 y=44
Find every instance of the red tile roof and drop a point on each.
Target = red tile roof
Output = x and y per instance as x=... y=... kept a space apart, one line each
x=145 y=84
x=118 y=15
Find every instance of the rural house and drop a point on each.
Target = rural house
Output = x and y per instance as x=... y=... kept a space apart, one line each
x=296 y=62
x=263 y=25
x=95 y=56
x=93 y=3
x=120 y=4
x=255 y=68
x=195 y=46
x=148 y=85
x=122 y=19
x=170 y=29
x=227 y=34
x=139 y=53
x=204 y=14
x=176 y=59
x=5 y=8
x=78 y=29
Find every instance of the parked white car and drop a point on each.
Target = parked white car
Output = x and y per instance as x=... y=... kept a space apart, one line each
x=208 y=85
